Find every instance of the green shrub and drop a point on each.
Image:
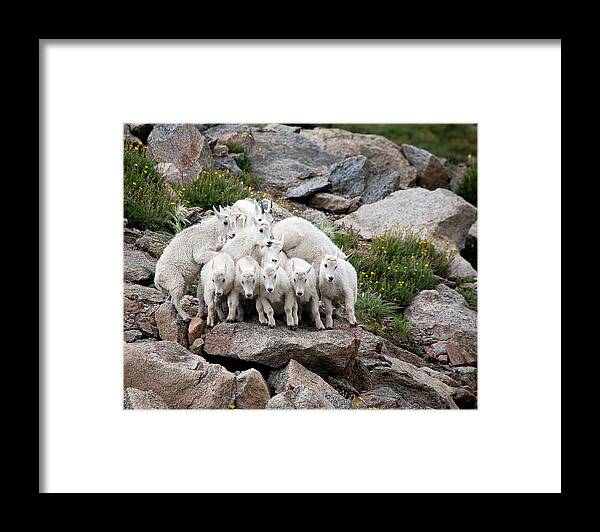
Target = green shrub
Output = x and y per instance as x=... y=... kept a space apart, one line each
x=347 y=240
x=470 y=297
x=468 y=187
x=391 y=269
x=398 y=265
x=400 y=329
x=372 y=307
x=252 y=180
x=147 y=198
x=244 y=163
x=213 y=188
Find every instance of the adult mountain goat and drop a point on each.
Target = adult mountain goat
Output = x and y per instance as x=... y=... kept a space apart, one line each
x=184 y=256
x=303 y=240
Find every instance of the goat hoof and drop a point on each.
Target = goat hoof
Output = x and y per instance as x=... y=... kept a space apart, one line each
x=271 y=326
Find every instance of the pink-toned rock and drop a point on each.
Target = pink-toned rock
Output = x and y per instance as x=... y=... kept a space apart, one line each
x=251 y=390
x=334 y=203
x=170 y=324
x=180 y=378
x=195 y=329
x=220 y=150
x=458 y=356
x=184 y=147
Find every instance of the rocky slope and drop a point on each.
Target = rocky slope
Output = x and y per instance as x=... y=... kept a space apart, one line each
x=329 y=176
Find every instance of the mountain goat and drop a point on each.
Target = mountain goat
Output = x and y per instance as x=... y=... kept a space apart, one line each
x=217 y=279
x=249 y=241
x=274 y=254
x=304 y=241
x=184 y=256
x=304 y=284
x=260 y=211
x=337 y=284
x=247 y=281
x=276 y=294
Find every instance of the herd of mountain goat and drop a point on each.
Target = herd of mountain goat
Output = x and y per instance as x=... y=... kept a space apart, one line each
x=241 y=259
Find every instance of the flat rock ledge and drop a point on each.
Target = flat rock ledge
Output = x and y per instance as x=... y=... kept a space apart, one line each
x=324 y=352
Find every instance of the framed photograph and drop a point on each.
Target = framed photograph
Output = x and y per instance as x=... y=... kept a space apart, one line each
x=332 y=272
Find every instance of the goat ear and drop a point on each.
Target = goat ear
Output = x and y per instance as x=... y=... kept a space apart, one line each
x=269 y=206
x=215 y=210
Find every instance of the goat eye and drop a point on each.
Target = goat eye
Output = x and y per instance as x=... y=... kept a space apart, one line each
x=325 y=265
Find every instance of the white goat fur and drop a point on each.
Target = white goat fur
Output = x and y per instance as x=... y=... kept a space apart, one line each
x=184 y=256
x=249 y=241
x=217 y=277
x=246 y=285
x=253 y=209
x=303 y=278
x=304 y=241
x=274 y=254
x=280 y=298
x=341 y=289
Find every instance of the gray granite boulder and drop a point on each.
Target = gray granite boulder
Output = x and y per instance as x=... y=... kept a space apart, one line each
x=251 y=391
x=138 y=266
x=183 y=146
x=439 y=215
x=431 y=172
x=443 y=315
x=180 y=378
x=323 y=352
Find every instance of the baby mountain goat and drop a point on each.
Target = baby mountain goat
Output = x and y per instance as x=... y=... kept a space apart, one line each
x=304 y=283
x=182 y=259
x=276 y=295
x=249 y=241
x=217 y=278
x=246 y=284
x=274 y=254
x=337 y=284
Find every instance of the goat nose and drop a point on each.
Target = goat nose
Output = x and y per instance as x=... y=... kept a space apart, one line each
x=330 y=279
x=248 y=296
x=273 y=260
x=269 y=289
